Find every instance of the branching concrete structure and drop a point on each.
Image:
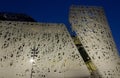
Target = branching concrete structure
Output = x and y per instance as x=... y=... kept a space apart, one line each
x=38 y=50
x=92 y=28
x=46 y=50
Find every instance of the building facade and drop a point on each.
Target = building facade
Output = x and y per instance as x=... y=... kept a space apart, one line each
x=46 y=50
x=91 y=27
x=38 y=50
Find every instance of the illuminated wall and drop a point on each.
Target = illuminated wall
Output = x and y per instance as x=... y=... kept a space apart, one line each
x=92 y=28
x=38 y=50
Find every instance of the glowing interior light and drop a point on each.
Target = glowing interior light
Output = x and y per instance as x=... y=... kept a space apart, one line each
x=32 y=60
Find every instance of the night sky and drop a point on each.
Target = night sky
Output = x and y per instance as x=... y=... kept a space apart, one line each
x=56 y=11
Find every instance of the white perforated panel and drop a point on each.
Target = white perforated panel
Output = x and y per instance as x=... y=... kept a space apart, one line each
x=92 y=29
x=38 y=50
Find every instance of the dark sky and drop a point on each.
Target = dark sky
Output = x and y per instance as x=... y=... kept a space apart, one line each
x=57 y=11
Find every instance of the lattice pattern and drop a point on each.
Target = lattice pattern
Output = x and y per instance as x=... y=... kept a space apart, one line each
x=92 y=29
x=38 y=50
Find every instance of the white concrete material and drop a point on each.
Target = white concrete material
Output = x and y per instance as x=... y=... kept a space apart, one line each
x=90 y=24
x=38 y=50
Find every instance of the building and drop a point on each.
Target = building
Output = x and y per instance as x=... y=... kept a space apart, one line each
x=91 y=27
x=38 y=50
x=29 y=49
x=8 y=16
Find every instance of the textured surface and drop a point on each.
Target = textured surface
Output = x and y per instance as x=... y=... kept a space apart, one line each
x=38 y=50
x=92 y=29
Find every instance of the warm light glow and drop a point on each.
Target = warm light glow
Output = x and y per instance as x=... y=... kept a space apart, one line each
x=32 y=60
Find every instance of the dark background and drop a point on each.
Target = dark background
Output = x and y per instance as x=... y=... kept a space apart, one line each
x=56 y=11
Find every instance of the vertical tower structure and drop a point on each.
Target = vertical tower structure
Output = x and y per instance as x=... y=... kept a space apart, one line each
x=38 y=50
x=91 y=27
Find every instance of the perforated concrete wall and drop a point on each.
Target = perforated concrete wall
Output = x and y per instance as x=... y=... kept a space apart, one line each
x=94 y=33
x=38 y=50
